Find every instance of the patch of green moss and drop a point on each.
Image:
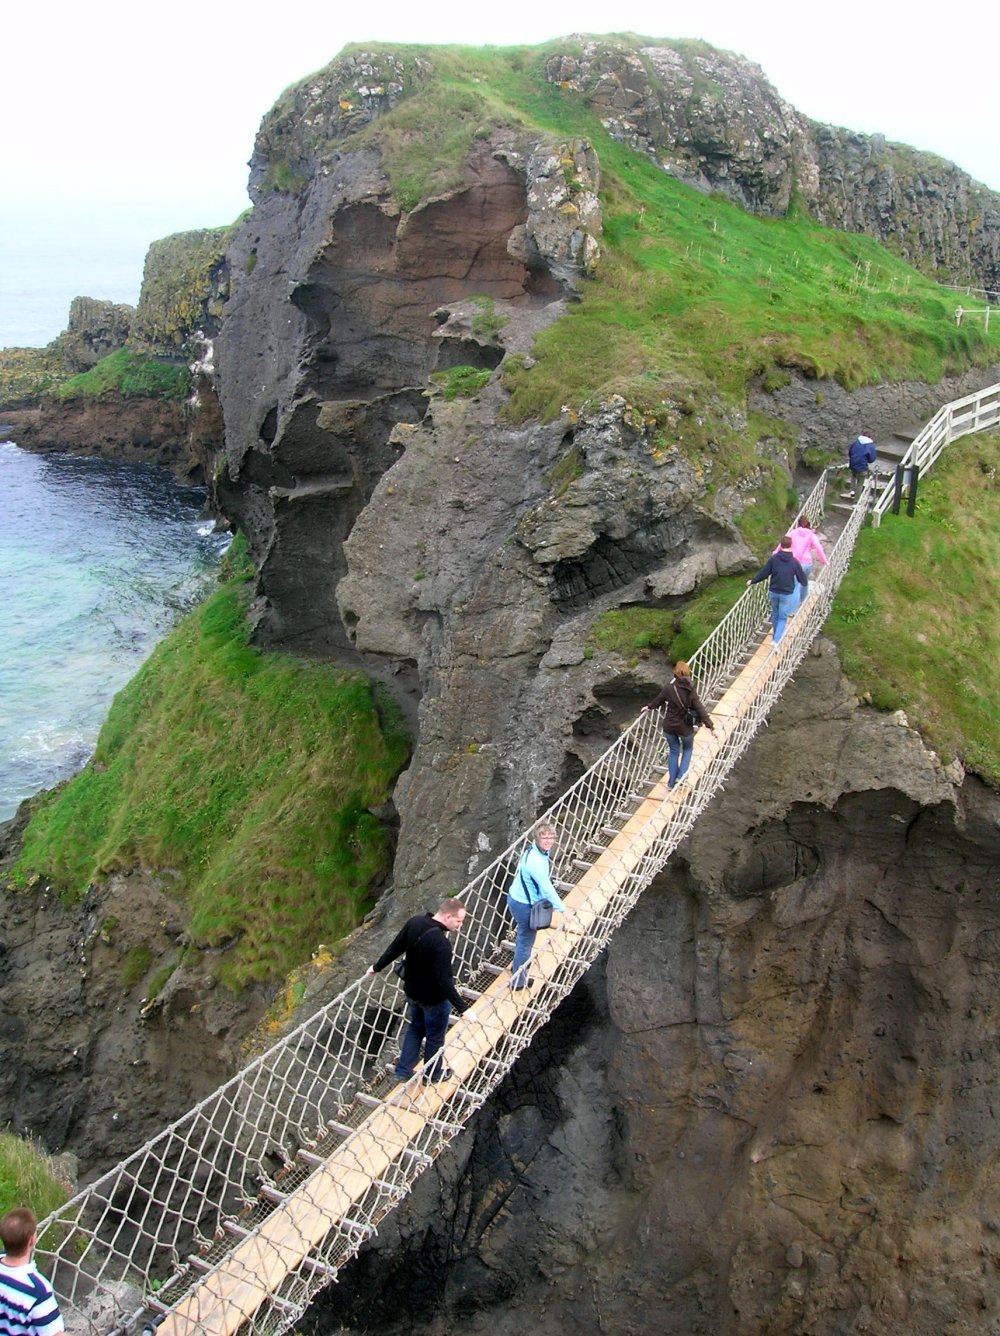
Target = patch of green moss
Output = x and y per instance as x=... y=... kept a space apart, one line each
x=136 y=965
x=130 y=375
x=460 y=382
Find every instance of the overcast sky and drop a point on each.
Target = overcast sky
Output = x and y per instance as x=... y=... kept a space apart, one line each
x=124 y=122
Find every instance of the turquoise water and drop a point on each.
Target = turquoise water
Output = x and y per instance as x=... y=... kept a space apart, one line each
x=97 y=561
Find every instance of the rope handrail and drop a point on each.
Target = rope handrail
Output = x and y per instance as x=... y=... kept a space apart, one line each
x=975 y=412
x=155 y=1233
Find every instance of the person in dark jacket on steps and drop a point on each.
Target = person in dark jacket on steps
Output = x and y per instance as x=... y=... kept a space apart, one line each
x=860 y=453
x=429 y=983
x=784 y=571
x=680 y=698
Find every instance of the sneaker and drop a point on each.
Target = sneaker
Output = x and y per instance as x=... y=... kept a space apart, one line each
x=516 y=987
x=443 y=1074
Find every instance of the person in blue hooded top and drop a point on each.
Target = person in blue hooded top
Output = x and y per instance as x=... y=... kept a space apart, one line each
x=532 y=881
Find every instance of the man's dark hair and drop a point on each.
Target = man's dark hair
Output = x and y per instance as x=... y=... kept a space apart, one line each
x=786 y=541
x=16 y=1229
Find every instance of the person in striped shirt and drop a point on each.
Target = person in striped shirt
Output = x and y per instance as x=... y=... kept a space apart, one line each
x=27 y=1305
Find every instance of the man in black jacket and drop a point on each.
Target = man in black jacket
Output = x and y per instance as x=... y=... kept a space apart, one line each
x=784 y=570
x=430 y=986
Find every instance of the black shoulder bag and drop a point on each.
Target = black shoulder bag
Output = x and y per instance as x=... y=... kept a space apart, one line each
x=399 y=966
x=691 y=716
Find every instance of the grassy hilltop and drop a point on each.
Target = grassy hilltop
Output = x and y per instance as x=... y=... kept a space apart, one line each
x=692 y=293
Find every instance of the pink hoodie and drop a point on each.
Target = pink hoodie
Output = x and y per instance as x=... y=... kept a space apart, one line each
x=804 y=544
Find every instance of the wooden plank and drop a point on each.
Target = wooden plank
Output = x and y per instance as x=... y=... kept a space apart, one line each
x=255 y=1268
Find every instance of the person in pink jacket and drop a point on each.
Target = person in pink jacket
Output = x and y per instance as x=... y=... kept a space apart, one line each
x=805 y=545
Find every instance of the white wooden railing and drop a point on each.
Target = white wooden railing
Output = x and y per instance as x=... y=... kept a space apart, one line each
x=976 y=412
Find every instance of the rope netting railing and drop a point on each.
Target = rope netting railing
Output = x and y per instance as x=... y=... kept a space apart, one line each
x=976 y=412
x=236 y=1215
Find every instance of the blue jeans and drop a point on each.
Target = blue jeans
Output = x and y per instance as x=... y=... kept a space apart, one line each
x=802 y=591
x=782 y=607
x=427 y=1026
x=678 y=757
x=523 y=942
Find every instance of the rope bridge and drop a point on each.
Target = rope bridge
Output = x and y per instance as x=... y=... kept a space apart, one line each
x=235 y=1216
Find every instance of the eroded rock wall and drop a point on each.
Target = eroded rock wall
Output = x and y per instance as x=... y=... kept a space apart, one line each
x=774 y=1106
x=148 y=431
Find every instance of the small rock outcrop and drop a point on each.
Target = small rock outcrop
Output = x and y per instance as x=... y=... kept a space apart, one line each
x=95 y=329
x=185 y=284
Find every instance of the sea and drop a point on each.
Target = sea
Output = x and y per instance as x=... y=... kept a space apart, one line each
x=98 y=559
x=42 y=270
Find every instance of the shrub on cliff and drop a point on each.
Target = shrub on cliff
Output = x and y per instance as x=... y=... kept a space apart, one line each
x=28 y=1177
x=252 y=775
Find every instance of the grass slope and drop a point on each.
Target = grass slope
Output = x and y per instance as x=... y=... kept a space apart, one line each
x=27 y=1177
x=251 y=775
x=917 y=617
x=130 y=375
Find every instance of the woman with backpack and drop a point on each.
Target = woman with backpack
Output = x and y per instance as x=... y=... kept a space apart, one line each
x=684 y=712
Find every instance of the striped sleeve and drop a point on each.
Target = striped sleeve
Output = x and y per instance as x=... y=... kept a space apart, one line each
x=46 y=1318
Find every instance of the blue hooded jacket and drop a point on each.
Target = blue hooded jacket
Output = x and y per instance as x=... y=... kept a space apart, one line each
x=860 y=454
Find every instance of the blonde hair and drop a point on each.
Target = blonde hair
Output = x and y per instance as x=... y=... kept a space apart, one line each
x=681 y=668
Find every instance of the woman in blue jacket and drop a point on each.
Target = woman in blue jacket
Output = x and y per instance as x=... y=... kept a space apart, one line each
x=532 y=881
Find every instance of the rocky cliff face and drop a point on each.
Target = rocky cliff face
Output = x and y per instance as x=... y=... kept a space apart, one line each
x=769 y=1111
x=185 y=284
x=148 y=431
x=773 y=1107
x=459 y=558
x=95 y=329
x=712 y=119
x=104 y=1011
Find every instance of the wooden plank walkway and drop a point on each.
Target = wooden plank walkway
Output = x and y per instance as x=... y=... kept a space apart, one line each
x=251 y=1273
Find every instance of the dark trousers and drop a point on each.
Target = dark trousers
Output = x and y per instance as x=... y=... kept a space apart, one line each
x=426 y=1026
